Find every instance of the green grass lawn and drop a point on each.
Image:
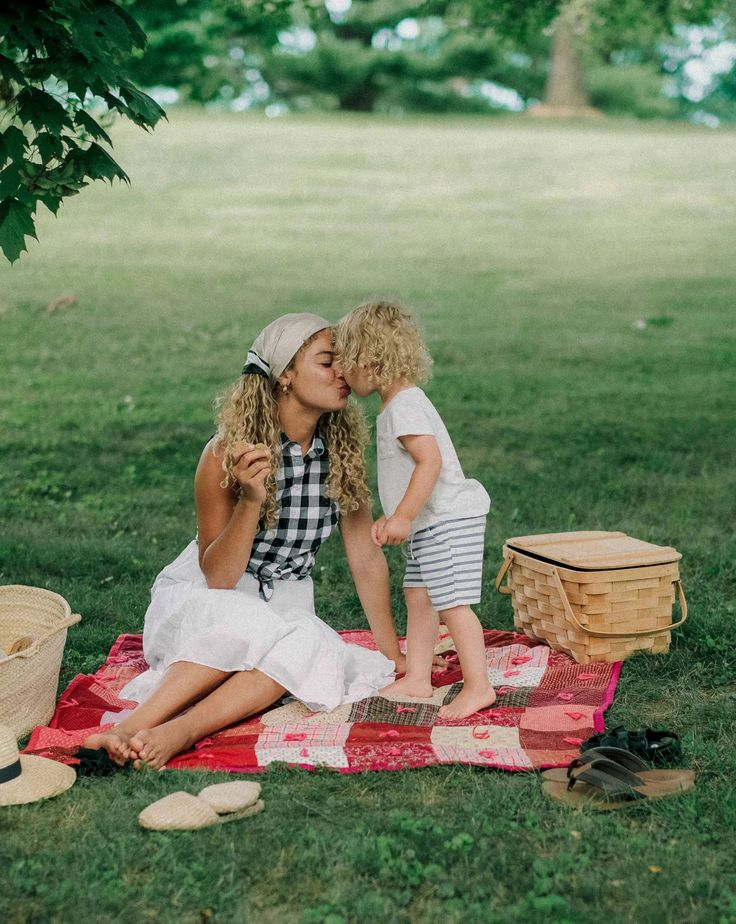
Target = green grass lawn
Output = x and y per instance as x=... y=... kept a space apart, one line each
x=529 y=252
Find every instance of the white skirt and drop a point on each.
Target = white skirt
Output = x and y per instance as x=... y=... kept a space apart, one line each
x=235 y=630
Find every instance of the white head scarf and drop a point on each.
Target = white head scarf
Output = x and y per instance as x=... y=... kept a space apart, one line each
x=277 y=344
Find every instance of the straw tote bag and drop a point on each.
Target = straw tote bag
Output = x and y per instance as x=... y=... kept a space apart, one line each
x=33 y=624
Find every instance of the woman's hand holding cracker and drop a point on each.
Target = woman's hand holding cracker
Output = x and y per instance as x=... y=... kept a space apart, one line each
x=251 y=465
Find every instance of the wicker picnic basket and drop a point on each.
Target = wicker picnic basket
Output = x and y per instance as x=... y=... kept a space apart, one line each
x=35 y=621
x=598 y=596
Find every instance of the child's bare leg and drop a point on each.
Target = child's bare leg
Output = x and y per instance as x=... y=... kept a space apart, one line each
x=421 y=636
x=183 y=684
x=242 y=694
x=477 y=692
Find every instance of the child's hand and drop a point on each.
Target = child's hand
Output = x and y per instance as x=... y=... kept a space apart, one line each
x=376 y=531
x=395 y=530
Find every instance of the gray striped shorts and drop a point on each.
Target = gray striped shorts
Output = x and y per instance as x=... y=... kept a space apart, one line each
x=447 y=559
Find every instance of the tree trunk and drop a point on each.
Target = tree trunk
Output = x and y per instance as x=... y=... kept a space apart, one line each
x=565 y=93
x=360 y=98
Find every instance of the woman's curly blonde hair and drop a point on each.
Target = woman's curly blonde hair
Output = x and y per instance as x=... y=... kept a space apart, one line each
x=385 y=339
x=248 y=410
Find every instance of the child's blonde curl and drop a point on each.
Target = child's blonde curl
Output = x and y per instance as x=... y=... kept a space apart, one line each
x=385 y=339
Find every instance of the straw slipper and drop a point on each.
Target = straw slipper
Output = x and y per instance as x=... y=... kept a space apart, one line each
x=603 y=784
x=625 y=759
x=221 y=802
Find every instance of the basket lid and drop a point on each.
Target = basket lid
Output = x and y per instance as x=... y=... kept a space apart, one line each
x=594 y=550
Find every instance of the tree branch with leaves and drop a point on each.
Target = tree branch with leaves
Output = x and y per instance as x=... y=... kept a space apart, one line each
x=59 y=59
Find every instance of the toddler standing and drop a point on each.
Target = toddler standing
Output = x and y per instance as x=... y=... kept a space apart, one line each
x=427 y=501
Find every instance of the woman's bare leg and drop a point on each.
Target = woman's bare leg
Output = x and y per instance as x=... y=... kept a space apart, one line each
x=184 y=682
x=241 y=695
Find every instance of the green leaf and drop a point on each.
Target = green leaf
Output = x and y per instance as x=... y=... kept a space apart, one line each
x=38 y=70
x=49 y=146
x=12 y=144
x=79 y=74
x=122 y=27
x=137 y=35
x=52 y=200
x=11 y=179
x=85 y=121
x=21 y=35
x=9 y=70
x=114 y=102
x=42 y=110
x=145 y=111
x=98 y=165
x=100 y=33
x=16 y=224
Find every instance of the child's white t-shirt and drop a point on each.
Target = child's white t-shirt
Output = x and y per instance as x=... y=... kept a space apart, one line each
x=455 y=497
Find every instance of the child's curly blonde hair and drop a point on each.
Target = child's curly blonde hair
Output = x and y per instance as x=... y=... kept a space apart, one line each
x=248 y=410
x=383 y=338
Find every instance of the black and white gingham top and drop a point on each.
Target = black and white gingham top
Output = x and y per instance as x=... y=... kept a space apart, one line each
x=305 y=517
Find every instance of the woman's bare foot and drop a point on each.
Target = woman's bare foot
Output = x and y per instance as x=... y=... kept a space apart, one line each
x=156 y=746
x=467 y=702
x=407 y=686
x=116 y=741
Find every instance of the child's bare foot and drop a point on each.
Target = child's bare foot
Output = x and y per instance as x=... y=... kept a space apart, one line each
x=156 y=746
x=115 y=741
x=407 y=686
x=467 y=702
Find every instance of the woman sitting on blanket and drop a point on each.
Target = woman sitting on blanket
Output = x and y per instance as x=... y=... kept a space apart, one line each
x=231 y=625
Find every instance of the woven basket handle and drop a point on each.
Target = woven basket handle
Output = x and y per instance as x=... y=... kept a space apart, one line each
x=507 y=559
x=571 y=615
x=71 y=620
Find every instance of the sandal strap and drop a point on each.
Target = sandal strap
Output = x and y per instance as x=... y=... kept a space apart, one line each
x=656 y=745
x=616 y=737
x=647 y=743
x=619 y=756
x=663 y=743
x=604 y=774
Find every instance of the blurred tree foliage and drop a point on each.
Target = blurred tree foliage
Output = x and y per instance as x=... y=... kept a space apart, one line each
x=435 y=55
x=59 y=59
x=217 y=50
x=389 y=54
x=203 y=48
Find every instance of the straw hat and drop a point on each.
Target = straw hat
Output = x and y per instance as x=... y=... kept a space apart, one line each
x=27 y=778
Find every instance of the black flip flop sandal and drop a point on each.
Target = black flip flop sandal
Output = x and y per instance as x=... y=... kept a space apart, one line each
x=97 y=762
x=602 y=784
x=624 y=759
x=658 y=747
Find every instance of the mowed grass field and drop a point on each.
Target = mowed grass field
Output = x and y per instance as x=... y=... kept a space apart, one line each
x=576 y=285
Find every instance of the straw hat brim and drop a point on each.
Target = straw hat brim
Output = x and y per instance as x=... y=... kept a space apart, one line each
x=40 y=778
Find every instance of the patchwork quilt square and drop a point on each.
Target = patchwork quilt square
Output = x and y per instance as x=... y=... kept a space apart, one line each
x=378 y=709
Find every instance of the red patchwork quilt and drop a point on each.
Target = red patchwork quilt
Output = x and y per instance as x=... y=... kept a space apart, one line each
x=546 y=705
